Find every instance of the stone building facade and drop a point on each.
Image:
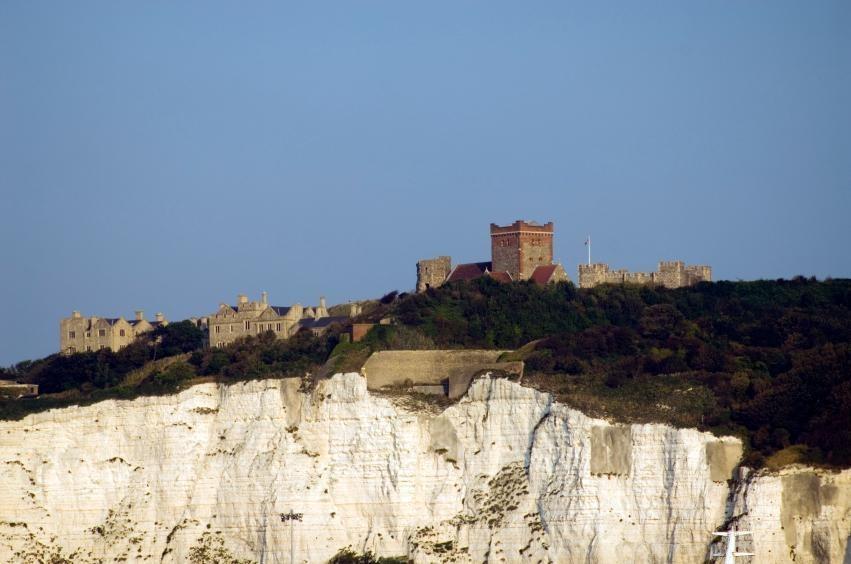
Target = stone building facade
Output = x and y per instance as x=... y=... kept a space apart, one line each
x=520 y=251
x=246 y=318
x=671 y=274
x=88 y=334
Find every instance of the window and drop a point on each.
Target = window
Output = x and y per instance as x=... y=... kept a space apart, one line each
x=101 y=332
x=218 y=328
x=231 y=328
x=72 y=350
x=121 y=333
x=88 y=334
x=246 y=326
x=88 y=348
x=72 y=334
x=277 y=326
x=100 y=348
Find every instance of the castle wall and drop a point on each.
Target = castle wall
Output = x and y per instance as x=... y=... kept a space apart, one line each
x=671 y=274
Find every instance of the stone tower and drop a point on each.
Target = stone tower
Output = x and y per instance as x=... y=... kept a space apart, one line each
x=431 y=273
x=521 y=247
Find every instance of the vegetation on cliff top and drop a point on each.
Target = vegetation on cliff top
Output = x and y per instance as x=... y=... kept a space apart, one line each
x=767 y=360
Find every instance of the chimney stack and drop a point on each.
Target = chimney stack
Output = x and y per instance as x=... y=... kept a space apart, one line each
x=76 y=314
x=140 y=315
x=241 y=300
x=264 y=297
x=159 y=317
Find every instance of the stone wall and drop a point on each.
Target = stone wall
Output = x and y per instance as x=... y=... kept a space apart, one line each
x=431 y=273
x=671 y=274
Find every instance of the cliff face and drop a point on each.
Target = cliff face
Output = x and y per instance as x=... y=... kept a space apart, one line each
x=504 y=474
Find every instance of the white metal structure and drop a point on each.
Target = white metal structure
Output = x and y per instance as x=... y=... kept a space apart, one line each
x=730 y=554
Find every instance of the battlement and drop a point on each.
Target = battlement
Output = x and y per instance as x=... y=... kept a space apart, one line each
x=671 y=274
x=671 y=265
x=520 y=225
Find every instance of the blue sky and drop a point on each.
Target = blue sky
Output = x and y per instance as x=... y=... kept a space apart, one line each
x=167 y=156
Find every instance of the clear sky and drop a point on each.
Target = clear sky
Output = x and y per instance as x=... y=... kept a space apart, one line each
x=166 y=156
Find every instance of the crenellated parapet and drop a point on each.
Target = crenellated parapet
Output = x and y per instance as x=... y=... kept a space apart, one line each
x=671 y=274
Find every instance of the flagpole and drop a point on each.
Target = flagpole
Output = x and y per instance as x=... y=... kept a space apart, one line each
x=588 y=242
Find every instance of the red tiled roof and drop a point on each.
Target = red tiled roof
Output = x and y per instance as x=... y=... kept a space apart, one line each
x=469 y=271
x=500 y=276
x=543 y=274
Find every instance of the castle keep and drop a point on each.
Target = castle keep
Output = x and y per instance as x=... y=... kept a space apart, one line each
x=87 y=334
x=671 y=274
x=520 y=251
x=520 y=248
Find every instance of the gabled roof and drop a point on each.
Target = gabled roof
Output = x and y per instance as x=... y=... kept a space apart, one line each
x=322 y=322
x=468 y=271
x=501 y=276
x=280 y=310
x=543 y=274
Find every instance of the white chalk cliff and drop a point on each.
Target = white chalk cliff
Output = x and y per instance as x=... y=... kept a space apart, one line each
x=505 y=475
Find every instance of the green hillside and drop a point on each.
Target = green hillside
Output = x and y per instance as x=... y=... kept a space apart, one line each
x=766 y=360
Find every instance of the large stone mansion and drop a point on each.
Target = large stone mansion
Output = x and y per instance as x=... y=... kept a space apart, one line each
x=87 y=334
x=520 y=251
x=245 y=318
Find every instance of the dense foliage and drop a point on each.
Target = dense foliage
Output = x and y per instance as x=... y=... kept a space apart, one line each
x=104 y=369
x=767 y=360
x=774 y=355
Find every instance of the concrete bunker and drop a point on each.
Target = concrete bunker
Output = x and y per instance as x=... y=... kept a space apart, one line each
x=446 y=372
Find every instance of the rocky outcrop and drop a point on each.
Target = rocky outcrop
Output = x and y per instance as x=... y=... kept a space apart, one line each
x=504 y=475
